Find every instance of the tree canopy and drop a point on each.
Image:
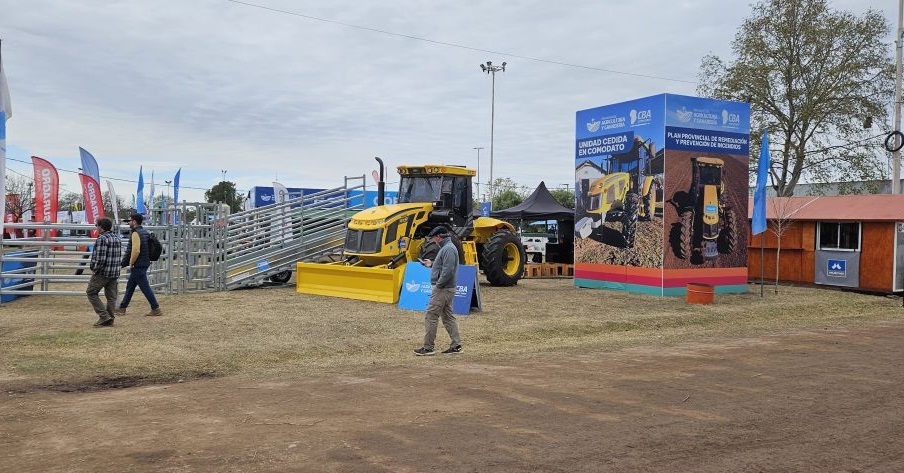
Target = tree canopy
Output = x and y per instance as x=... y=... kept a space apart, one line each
x=225 y=192
x=564 y=197
x=813 y=76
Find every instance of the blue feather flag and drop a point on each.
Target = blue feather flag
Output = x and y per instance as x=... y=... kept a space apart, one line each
x=758 y=225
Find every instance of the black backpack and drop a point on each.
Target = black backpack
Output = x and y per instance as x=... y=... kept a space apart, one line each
x=155 y=249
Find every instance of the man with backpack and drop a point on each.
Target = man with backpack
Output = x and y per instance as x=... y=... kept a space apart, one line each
x=138 y=257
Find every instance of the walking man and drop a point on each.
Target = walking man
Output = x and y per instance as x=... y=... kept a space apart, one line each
x=137 y=257
x=105 y=265
x=443 y=270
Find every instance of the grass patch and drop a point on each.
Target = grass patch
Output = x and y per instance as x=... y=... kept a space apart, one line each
x=278 y=332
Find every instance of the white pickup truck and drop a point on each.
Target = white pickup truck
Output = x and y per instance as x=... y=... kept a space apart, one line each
x=535 y=246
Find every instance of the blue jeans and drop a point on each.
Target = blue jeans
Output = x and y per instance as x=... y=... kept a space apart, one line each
x=139 y=277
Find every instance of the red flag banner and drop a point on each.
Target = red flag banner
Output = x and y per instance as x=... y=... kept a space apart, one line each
x=47 y=190
x=94 y=205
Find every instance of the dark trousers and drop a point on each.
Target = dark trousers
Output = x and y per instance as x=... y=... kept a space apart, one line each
x=111 y=290
x=139 y=277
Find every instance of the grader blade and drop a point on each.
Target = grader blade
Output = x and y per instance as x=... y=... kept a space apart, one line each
x=377 y=284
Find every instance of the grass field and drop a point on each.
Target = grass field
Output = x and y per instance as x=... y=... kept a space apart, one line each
x=49 y=341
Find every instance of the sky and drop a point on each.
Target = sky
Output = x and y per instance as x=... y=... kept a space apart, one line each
x=309 y=92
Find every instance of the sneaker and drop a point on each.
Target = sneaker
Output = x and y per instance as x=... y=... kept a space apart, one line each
x=154 y=313
x=452 y=350
x=119 y=311
x=424 y=351
x=107 y=322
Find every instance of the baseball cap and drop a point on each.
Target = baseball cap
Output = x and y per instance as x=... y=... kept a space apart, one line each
x=438 y=231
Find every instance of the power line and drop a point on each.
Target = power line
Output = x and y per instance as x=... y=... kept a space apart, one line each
x=456 y=45
x=104 y=177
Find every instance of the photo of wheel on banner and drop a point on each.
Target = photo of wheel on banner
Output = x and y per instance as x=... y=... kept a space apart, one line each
x=894 y=141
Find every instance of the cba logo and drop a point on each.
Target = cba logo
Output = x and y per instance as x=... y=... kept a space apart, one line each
x=412 y=286
x=731 y=119
x=593 y=126
x=642 y=116
x=684 y=115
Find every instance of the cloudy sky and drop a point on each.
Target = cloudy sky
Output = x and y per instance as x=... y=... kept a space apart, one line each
x=308 y=92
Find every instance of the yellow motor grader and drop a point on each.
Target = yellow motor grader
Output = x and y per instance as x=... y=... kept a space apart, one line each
x=381 y=240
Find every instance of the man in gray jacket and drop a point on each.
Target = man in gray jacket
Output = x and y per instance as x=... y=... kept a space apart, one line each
x=443 y=270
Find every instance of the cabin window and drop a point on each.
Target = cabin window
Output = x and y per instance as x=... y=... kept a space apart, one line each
x=839 y=236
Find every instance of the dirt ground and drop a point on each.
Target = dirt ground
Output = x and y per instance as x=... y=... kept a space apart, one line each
x=827 y=400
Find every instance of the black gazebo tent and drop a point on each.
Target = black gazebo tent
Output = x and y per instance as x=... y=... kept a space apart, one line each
x=541 y=205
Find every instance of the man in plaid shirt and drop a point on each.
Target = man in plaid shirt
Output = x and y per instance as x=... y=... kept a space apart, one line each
x=105 y=264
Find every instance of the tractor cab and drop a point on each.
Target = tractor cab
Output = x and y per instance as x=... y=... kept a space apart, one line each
x=448 y=188
x=708 y=172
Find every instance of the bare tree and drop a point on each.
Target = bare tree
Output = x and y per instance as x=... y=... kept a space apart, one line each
x=783 y=209
x=108 y=206
x=23 y=187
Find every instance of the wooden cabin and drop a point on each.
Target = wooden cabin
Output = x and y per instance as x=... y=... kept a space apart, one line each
x=854 y=241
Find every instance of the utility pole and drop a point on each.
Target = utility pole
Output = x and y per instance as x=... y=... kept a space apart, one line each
x=490 y=69
x=896 y=154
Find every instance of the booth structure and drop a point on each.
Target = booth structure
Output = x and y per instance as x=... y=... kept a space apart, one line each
x=852 y=241
x=661 y=193
x=555 y=244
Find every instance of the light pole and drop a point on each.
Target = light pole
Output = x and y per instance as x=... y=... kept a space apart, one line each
x=490 y=69
x=167 y=188
x=225 y=196
x=478 y=148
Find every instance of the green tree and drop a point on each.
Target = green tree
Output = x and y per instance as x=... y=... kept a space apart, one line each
x=506 y=199
x=226 y=193
x=813 y=76
x=564 y=197
x=506 y=193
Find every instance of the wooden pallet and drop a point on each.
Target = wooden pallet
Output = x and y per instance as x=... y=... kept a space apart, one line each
x=548 y=270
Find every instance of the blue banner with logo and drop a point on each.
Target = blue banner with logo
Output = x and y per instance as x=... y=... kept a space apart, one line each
x=416 y=289
x=722 y=142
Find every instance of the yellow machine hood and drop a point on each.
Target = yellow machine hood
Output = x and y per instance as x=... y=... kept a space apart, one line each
x=377 y=216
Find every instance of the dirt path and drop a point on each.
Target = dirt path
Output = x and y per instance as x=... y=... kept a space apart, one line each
x=827 y=401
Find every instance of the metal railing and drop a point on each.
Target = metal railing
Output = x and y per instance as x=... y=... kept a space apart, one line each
x=205 y=248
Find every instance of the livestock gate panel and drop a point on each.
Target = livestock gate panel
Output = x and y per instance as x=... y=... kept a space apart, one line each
x=204 y=247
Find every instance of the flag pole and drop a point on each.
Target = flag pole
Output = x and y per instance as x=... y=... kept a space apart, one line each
x=762 y=263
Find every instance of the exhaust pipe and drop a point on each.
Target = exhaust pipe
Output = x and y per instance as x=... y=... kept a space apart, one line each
x=381 y=185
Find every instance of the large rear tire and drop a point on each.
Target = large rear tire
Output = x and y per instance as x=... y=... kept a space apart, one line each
x=728 y=237
x=686 y=235
x=430 y=249
x=282 y=277
x=629 y=219
x=502 y=259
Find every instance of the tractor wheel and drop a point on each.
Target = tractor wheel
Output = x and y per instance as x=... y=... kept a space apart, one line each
x=728 y=236
x=502 y=259
x=430 y=249
x=647 y=208
x=282 y=277
x=629 y=219
x=686 y=235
